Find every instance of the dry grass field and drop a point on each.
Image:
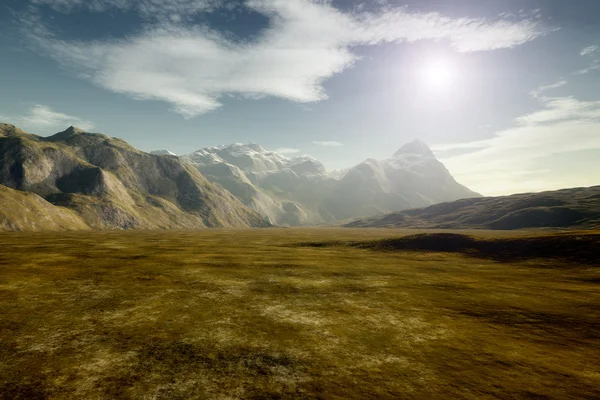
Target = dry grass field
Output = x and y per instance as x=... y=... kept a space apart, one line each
x=299 y=313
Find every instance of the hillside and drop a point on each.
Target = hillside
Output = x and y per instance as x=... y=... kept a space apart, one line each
x=287 y=191
x=23 y=211
x=299 y=191
x=112 y=185
x=567 y=208
x=412 y=177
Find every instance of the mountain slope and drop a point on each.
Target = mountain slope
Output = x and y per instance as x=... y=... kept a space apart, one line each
x=298 y=191
x=112 y=185
x=567 y=208
x=288 y=191
x=24 y=211
x=413 y=177
x=163 y=152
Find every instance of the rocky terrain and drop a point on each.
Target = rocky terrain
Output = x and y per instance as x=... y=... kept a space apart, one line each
x=80 y=180
x=299 y=191
x=102 y=182
x=568 y=208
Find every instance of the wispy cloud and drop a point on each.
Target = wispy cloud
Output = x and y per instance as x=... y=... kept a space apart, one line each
x=328 y=143
x=508 y=162
x=193 y=67
x=562 y=109
x=287 y=150
x=40 y=116
x=543 y=88
x=594 y=65
x=464 y=34
x=588 y=50
x=593 y=53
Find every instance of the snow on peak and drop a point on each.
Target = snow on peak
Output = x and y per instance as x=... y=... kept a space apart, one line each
x=306 y=165
x=338 y=173
x=303 y=158
x=256 y=147
x=252 y=157
x=239 y=149
x=415 y=147
x=163 y=152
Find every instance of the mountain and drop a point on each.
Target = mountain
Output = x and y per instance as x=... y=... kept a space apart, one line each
x=567 y=208
x=163 y=152
x=299 y=191
x=287 y=191
x=28 y=211
x=412 y=177
x=111 y=185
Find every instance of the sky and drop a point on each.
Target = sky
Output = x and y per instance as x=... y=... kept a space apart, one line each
x=506 y=93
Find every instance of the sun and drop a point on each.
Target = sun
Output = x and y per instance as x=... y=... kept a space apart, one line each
x=438 y=74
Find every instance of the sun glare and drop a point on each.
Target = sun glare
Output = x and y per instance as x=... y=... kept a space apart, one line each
x=438 y=74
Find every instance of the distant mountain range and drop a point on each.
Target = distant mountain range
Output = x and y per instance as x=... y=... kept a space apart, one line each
x=299 y=191
x=566 y=208
x=78 y=180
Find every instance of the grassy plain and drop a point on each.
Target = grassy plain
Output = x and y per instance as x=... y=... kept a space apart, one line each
x=298 y=313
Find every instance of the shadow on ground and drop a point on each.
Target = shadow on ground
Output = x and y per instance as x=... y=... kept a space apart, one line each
x=581 y=248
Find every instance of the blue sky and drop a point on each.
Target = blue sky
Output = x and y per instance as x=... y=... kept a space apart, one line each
x=507 y=93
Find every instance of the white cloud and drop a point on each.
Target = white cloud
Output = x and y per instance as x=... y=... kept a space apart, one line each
x=464 y=34
x=595 y=65
x=509 y=161
x=328 y=143
x=588 y=50
x=562 y=109
x=41 y=116
x=306 y=42
x=287 y=150
x=537 y=92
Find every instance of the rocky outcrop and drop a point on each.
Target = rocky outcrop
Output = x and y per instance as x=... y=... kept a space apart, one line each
x=112 y=185
x=299 y=191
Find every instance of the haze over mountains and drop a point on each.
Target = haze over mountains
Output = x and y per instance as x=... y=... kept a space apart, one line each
x=80 y=180
x=108 y=184
x=299 y=191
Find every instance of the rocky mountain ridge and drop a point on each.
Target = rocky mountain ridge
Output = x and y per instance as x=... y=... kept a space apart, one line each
x=112 y=185
x=299 y=191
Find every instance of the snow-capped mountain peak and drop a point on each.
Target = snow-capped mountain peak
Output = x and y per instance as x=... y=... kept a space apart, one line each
x=163 y=152
x=256 y=147
x=415 y=147
x=306 y=165
x=252 y=157
x=297 y=190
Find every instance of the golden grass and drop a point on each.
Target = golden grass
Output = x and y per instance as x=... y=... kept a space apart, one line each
x=28 y=211
x=229 y=314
